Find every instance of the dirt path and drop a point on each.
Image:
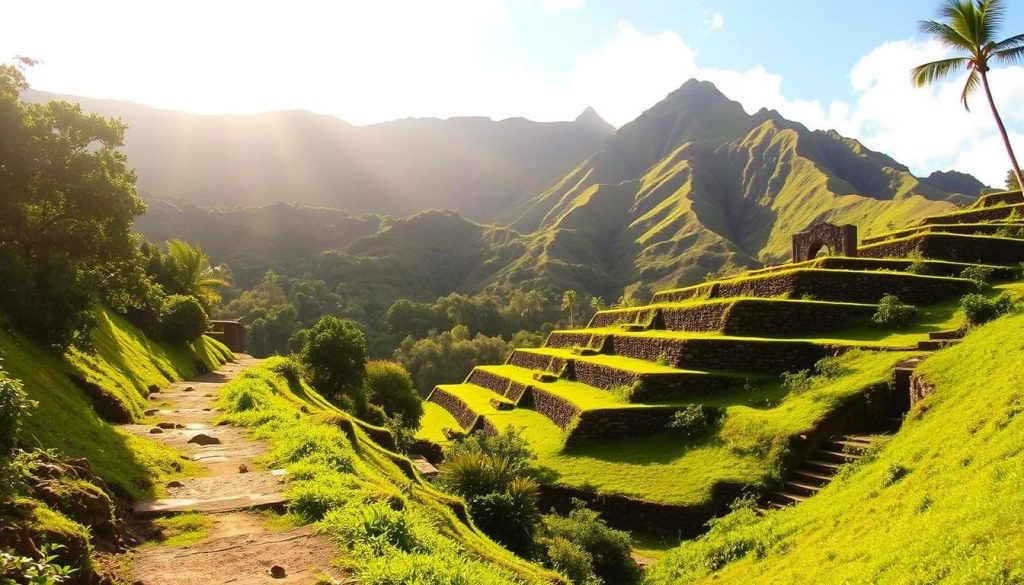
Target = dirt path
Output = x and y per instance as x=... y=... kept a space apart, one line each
x=242 y=547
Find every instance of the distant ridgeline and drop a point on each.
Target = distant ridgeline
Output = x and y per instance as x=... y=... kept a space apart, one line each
x=693 y=186
x=661 y=415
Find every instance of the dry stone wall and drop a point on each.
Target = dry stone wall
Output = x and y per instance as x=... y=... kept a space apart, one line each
x=567 y=339
x=453 y=404
x=559 y=410
x=975 y=216
x=722 y=354
x=951 y=247
x=617 y=423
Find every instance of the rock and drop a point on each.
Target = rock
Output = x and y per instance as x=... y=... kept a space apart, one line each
x=150 y=411
x=153 y=388
x=175 y=484
x=166 y=425
x=243 y=468
x=155 y=431
x=278 y=572
x=204 y=439
x=188 y=389
x=223 y=423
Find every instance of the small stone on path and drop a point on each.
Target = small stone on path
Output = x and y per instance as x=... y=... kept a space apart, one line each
x=155 y=431
x=165 y=425
x=277 y=572
x=204 y=439
x=243 y=468
x=175 y=484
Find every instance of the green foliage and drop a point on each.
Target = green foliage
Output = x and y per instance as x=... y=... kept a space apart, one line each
x=374 y=525
x=694 y=420
x=609 y=548
x=980 y=275
x=1012 y=184
x=572 y=560
x=182 y=319
x=389 y=386
x=918 y=264
x=509 y=516
x=472 y=475
x=797 y=383
x=829 y=367
x=194 y=275
x=509 y=445
x=47 y=570
x=14 y=407
x=892 y=312
x=334 y=359
x=980 y=309
x=449 y=356
x=65 y=215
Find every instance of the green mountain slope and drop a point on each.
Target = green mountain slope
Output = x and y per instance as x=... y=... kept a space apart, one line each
x=940 y=502
x=695 y=184
x=471 y=164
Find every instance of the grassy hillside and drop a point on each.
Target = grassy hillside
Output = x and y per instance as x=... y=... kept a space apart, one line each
x=939 y=502
x=392 y=526
x=122 y=368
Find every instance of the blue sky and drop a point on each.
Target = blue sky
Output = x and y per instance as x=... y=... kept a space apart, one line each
x=839 y=64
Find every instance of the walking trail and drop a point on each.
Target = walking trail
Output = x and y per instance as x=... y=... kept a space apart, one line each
x=241 y=547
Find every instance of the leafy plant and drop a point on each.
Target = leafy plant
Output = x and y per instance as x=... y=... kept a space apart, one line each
x=829 y=367
x=509 y=516
x=334 y=359
x=182 y=319
x=571 y=560
x=693 y=420
x=980 y=309
x=17 y=569
x=917 y=264
x=797 y=382
x=892 y=312
x=979 y=275
x=389 y=386
x=609 y=548
x=509 y=444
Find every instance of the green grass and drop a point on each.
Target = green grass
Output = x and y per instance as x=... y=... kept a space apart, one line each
x=350 y=488
x=124 y=364
x=940 y=502
x=183 y=529
x=626 y=364
x=435 y=418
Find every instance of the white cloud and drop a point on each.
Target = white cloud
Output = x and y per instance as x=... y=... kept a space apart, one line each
x=556 y=6
x=715 y=22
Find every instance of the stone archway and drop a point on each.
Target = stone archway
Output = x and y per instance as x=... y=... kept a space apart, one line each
x=839 y=239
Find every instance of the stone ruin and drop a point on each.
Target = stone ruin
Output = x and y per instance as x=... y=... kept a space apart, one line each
x=840 y=240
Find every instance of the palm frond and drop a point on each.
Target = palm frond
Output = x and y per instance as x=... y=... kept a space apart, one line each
x=1010 y=56
x=929 y=73
x=972 y=84
x=991 y=14
x=1009 y=43
x=946 y=35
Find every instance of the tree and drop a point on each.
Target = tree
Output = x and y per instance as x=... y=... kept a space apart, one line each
x=569 y=300
x=969 y=27
x=334 y=359
x=195 y=275
x=1012 y=183
x=389 y=386
x=67 y=202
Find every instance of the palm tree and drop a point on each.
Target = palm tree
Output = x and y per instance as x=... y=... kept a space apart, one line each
x=197 y=276
x=969 y=27
x=569 y=300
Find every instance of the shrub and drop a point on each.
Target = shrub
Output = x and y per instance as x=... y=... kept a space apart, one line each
x=979 y=275
x=373 y=526
x=290 y=369
x=14 y=406
x=43 y=571
x=980 y=309
x=797 y=382
x=389 y=386
x=508 y=444
x=917 y=264
x=334 y=360
x=403 y=433
x=473 y=475
x=572 y=561
x=693 y=420
x=609 y=548
x=829 y=367
x=182 y=319
x=510 y=516
x=892 y=312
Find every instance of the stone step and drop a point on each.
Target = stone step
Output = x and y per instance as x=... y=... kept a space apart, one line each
x=227 y=503
x=837 y=456
x=824 y=467
x=935 y=344
x=950 y=334
x=816 y=477
x=787 y=498
x=801 y=488
x=845 y=446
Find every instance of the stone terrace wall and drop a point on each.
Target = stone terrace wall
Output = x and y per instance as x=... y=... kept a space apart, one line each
x=492 y=382
x=617 y=423
x=627 y=513
x=453 y=404
x=566 y=339
x=615 y=317
x=603 y=377
x=560 y=411
x=1008 y=198
x=535 y=361
x=975 y=215
x=954 y=248
x=777 y=318
x=703 y=317
x=947 y=228
x=723 y=354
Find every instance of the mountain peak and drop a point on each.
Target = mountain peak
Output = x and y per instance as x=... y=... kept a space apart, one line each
x=592 y=119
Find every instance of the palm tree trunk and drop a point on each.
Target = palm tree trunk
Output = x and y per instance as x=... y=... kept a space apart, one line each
x=1002 y=129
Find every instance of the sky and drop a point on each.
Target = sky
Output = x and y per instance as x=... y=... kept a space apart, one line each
x=830 y=64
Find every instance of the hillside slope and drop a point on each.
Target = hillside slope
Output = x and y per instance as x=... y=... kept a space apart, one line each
x=940 y=502
x=474 y=165
x=695 y=184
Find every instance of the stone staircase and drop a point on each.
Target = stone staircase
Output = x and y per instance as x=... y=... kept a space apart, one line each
x=818 y=470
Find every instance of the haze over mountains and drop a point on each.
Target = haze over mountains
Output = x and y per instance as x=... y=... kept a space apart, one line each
x=693 y=185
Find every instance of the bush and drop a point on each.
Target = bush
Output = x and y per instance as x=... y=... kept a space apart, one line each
x=508 y=444
x=44 y=571
x=14 y=406
x=694 y=420
x=893 y=313
x=917 y=264
x=980 y=309
x=473 y=475
x=572 y=561
x=334 y=359
x=182 y=319
x=510 y=516
x=829 y=367
x=389 y=386
x=797 y=382
x=979 y=275
x=609 y=548
x=374 y=526
x=290 y=369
